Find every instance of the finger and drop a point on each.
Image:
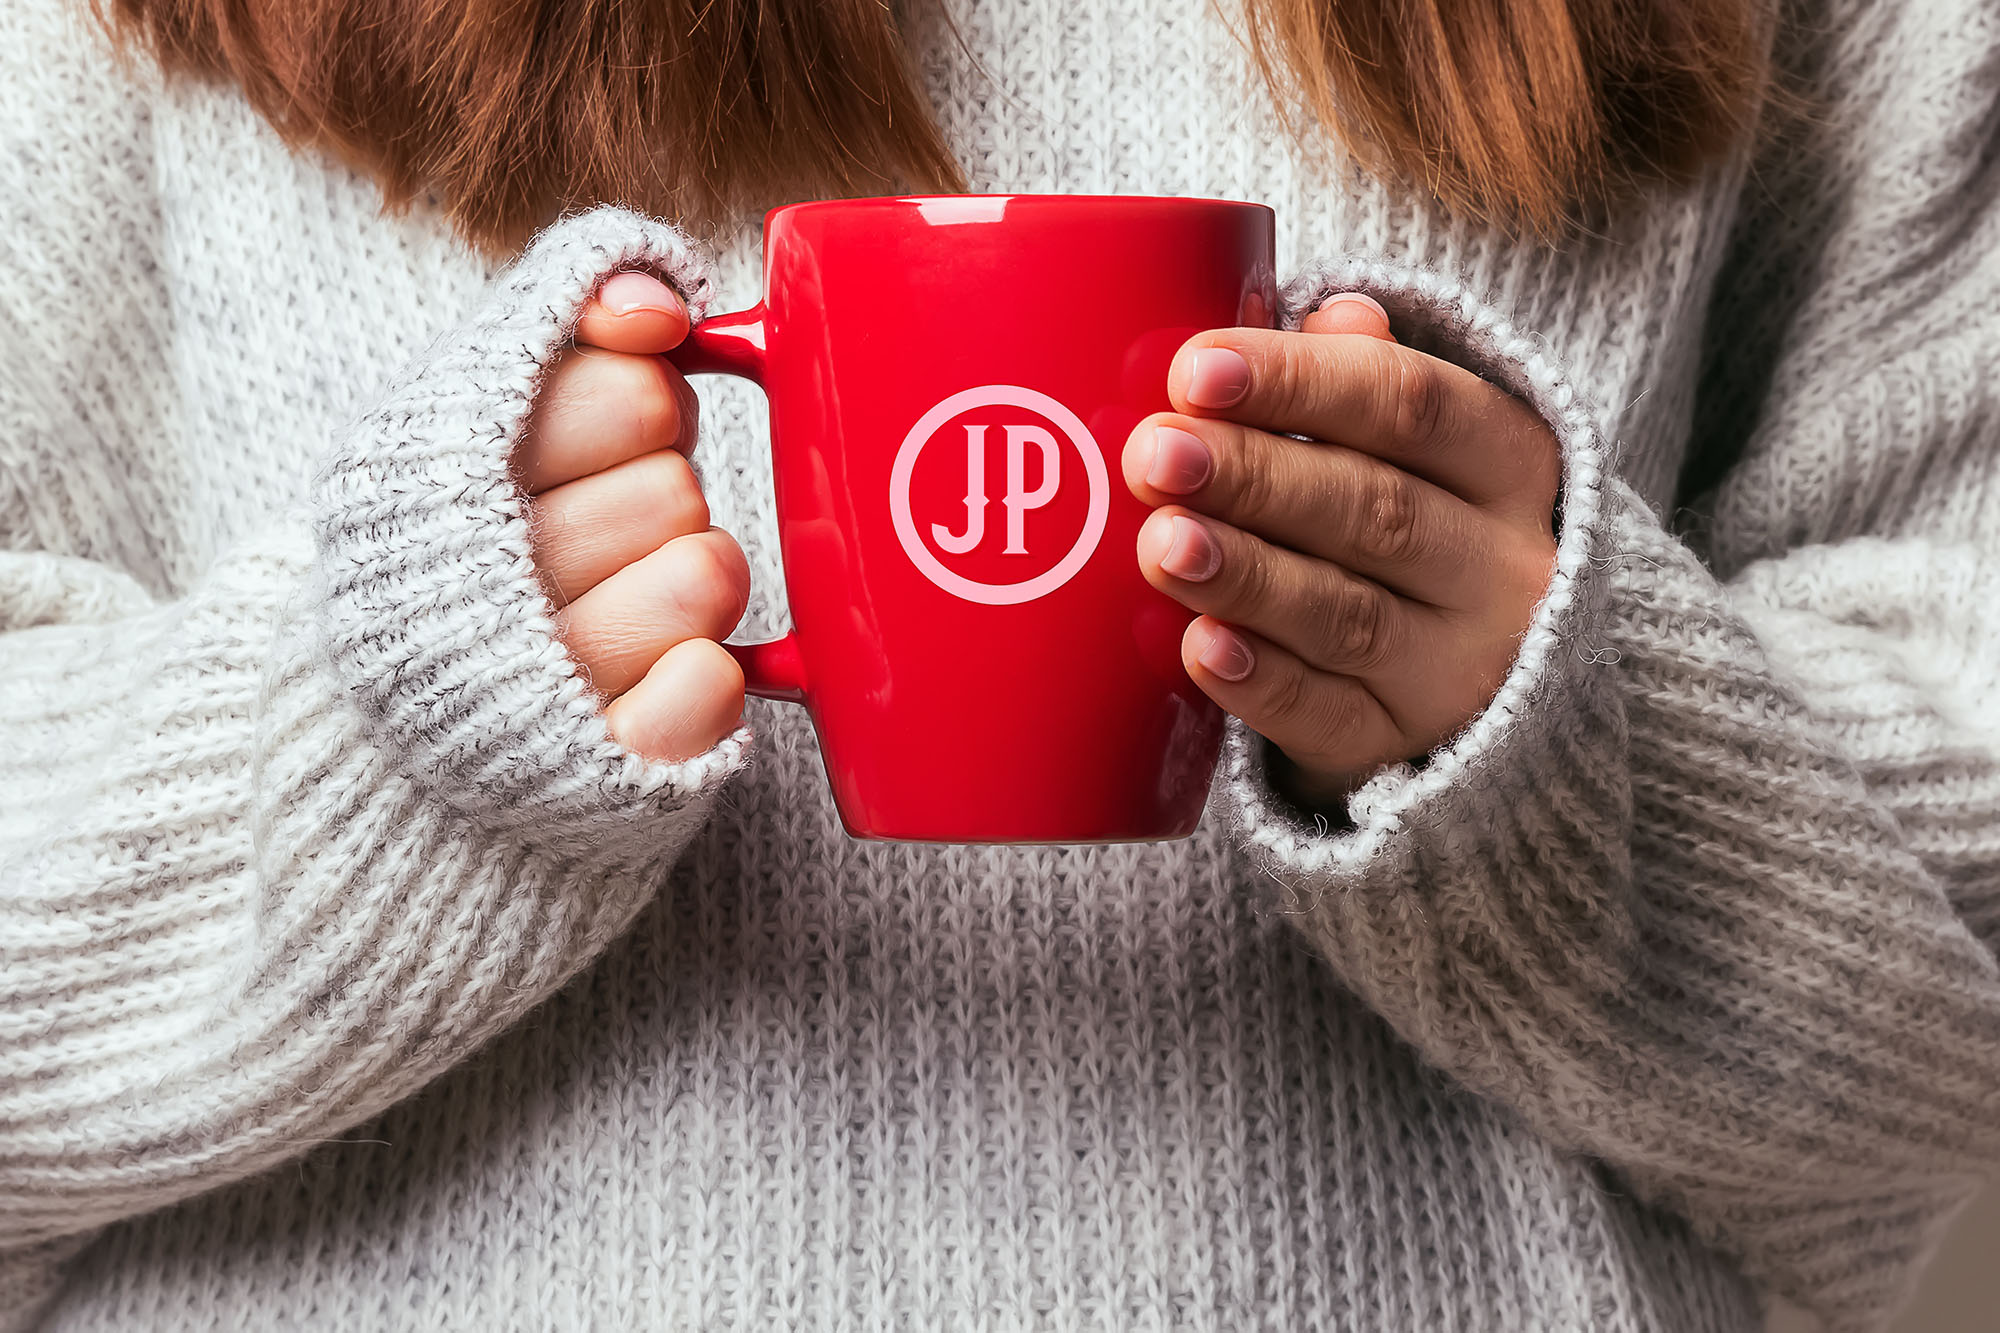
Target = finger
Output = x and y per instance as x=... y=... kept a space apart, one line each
x=597 y=409
x=588 y=529
x=1349 y=312
x=1332 y=619
x=1319 y=499
x=694 y=587
x=1328 y=721
x=690 y=699
x=1427 y=416
x=633 y=312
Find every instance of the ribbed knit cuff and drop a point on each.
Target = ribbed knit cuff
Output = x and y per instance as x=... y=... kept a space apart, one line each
x=429 y=609
x=1448 y=803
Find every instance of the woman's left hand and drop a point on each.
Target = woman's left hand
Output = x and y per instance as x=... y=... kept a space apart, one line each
x=1363 y=590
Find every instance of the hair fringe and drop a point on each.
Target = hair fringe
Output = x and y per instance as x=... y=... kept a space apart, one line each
x=1536 y=115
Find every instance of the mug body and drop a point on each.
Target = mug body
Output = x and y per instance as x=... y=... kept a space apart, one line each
x=951 y=384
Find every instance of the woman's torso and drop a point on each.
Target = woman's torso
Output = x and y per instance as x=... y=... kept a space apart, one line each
x=827 y=1083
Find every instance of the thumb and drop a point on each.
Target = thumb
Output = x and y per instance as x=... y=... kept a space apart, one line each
x=633 y=312
x=1349 y=312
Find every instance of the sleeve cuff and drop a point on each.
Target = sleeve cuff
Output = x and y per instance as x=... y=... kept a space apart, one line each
x=1555 y=706
x=429 y=611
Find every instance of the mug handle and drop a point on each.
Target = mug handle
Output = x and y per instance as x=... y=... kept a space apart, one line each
x=733 y=344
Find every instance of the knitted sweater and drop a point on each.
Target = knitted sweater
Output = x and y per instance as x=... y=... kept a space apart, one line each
x=352 y=977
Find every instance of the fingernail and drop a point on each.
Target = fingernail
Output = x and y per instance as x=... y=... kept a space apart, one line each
x=1359 y=298
x=1226 y=655
x=622 y=293
x=1181 y=462
x=1193 y=555
x=1217 y=377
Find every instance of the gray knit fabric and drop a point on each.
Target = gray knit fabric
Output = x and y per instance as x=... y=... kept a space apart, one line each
x=1669 y=980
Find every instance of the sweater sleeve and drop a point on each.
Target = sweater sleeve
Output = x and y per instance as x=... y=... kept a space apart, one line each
x=277 y=852
x=1710 y=890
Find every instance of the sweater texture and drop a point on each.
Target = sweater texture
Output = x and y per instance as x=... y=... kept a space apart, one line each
x=352 y=977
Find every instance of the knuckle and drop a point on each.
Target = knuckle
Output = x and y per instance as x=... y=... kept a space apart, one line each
x=1287 y=698
x=1417 y=406
x=726 y=676
x=731 y=572
x=1389 y=531
x=700 y=569
x=1244 y=476
x=1252 y=586
x=1357 y=626
x=674 y=491
x=1300 y=374
x=1311 y=715
x=646 y=390
x=1336 y=717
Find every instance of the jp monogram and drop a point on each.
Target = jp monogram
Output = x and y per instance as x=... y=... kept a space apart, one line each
x=1022 y=439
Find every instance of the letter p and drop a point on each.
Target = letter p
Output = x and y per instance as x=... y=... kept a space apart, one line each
x=1018 y=500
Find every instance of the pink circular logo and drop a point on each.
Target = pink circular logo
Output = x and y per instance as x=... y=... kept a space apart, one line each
x=1018 y=450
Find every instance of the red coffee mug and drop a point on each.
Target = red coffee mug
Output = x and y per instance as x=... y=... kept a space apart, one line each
x=951 y=381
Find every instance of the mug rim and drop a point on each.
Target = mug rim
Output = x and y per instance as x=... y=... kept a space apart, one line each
x=883 y=201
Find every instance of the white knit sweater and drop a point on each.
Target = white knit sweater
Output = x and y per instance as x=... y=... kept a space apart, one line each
x=339 y=987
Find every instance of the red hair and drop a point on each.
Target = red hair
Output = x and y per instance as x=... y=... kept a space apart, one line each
x=1532 y=113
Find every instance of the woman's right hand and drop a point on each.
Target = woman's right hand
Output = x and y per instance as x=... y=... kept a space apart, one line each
x=645 y=588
